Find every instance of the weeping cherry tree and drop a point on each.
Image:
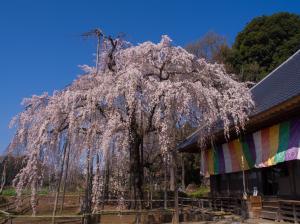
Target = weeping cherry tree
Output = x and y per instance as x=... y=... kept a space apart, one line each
x=136 y=91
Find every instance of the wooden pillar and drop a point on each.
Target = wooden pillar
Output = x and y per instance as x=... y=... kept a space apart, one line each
x=294 y=167
x=290 y=165
x=228 y=184
x=182 y=173
x=165 y=186
x=259 y=182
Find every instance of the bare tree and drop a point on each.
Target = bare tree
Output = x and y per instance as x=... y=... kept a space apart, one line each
x=211 y=46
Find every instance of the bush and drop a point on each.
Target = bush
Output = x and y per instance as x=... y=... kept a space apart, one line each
x=9 y=192
x=170 y=194
x=202 y=191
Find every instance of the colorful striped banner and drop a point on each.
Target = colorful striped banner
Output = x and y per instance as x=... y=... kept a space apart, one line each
x=266 y=147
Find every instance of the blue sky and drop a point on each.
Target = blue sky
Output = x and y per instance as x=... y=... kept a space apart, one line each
x=41 y=47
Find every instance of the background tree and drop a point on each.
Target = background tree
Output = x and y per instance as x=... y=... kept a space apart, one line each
x=10 y=166
x=264 y=44
x=212 y=46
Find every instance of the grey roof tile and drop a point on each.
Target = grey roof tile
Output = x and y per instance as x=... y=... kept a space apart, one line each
x=280 y=85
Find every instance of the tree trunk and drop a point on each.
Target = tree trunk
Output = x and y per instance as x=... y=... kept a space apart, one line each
x=151 y=191
x=106 y=180
x=136 y=172
x=98 y=199
x=59 y=181
x=136 y=164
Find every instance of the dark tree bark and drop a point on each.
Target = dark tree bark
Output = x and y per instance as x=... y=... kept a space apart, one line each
x=98 y=178
x=151 y=190
x=135 y=165
x=135 y=170
x=105 y=192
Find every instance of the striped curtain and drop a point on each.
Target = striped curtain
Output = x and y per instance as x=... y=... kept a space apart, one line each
x=266 y=147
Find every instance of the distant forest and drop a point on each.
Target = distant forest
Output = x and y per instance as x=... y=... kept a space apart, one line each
x=259 y=48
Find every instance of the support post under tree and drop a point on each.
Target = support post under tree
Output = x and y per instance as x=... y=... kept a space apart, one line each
x=172 y=176
x=59 y=181
x=166 y=184
x=65 y=180
x=176 y=206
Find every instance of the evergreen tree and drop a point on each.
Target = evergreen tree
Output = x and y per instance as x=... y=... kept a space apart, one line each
x=264 y=44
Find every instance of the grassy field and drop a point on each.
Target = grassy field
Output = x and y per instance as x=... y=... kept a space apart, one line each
x=12 y=192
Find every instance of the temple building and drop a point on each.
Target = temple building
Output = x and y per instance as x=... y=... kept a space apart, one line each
x=265 y=158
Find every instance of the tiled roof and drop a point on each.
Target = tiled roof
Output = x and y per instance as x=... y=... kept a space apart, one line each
x=279 y=86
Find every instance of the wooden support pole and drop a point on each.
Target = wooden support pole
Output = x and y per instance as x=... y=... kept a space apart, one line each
x=65 y=179
x=176 y=206
x=181 y=205
x=182 y=173
x=59 y=181
x=244 y=179
x=295 y=213
x=150 y=190
x=166 y=186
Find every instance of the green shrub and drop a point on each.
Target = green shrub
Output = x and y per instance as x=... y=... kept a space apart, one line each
x=43 y=191
x=9 y=192
x=200 y=192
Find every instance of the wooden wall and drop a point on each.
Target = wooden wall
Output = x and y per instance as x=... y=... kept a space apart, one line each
x=282 y=180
